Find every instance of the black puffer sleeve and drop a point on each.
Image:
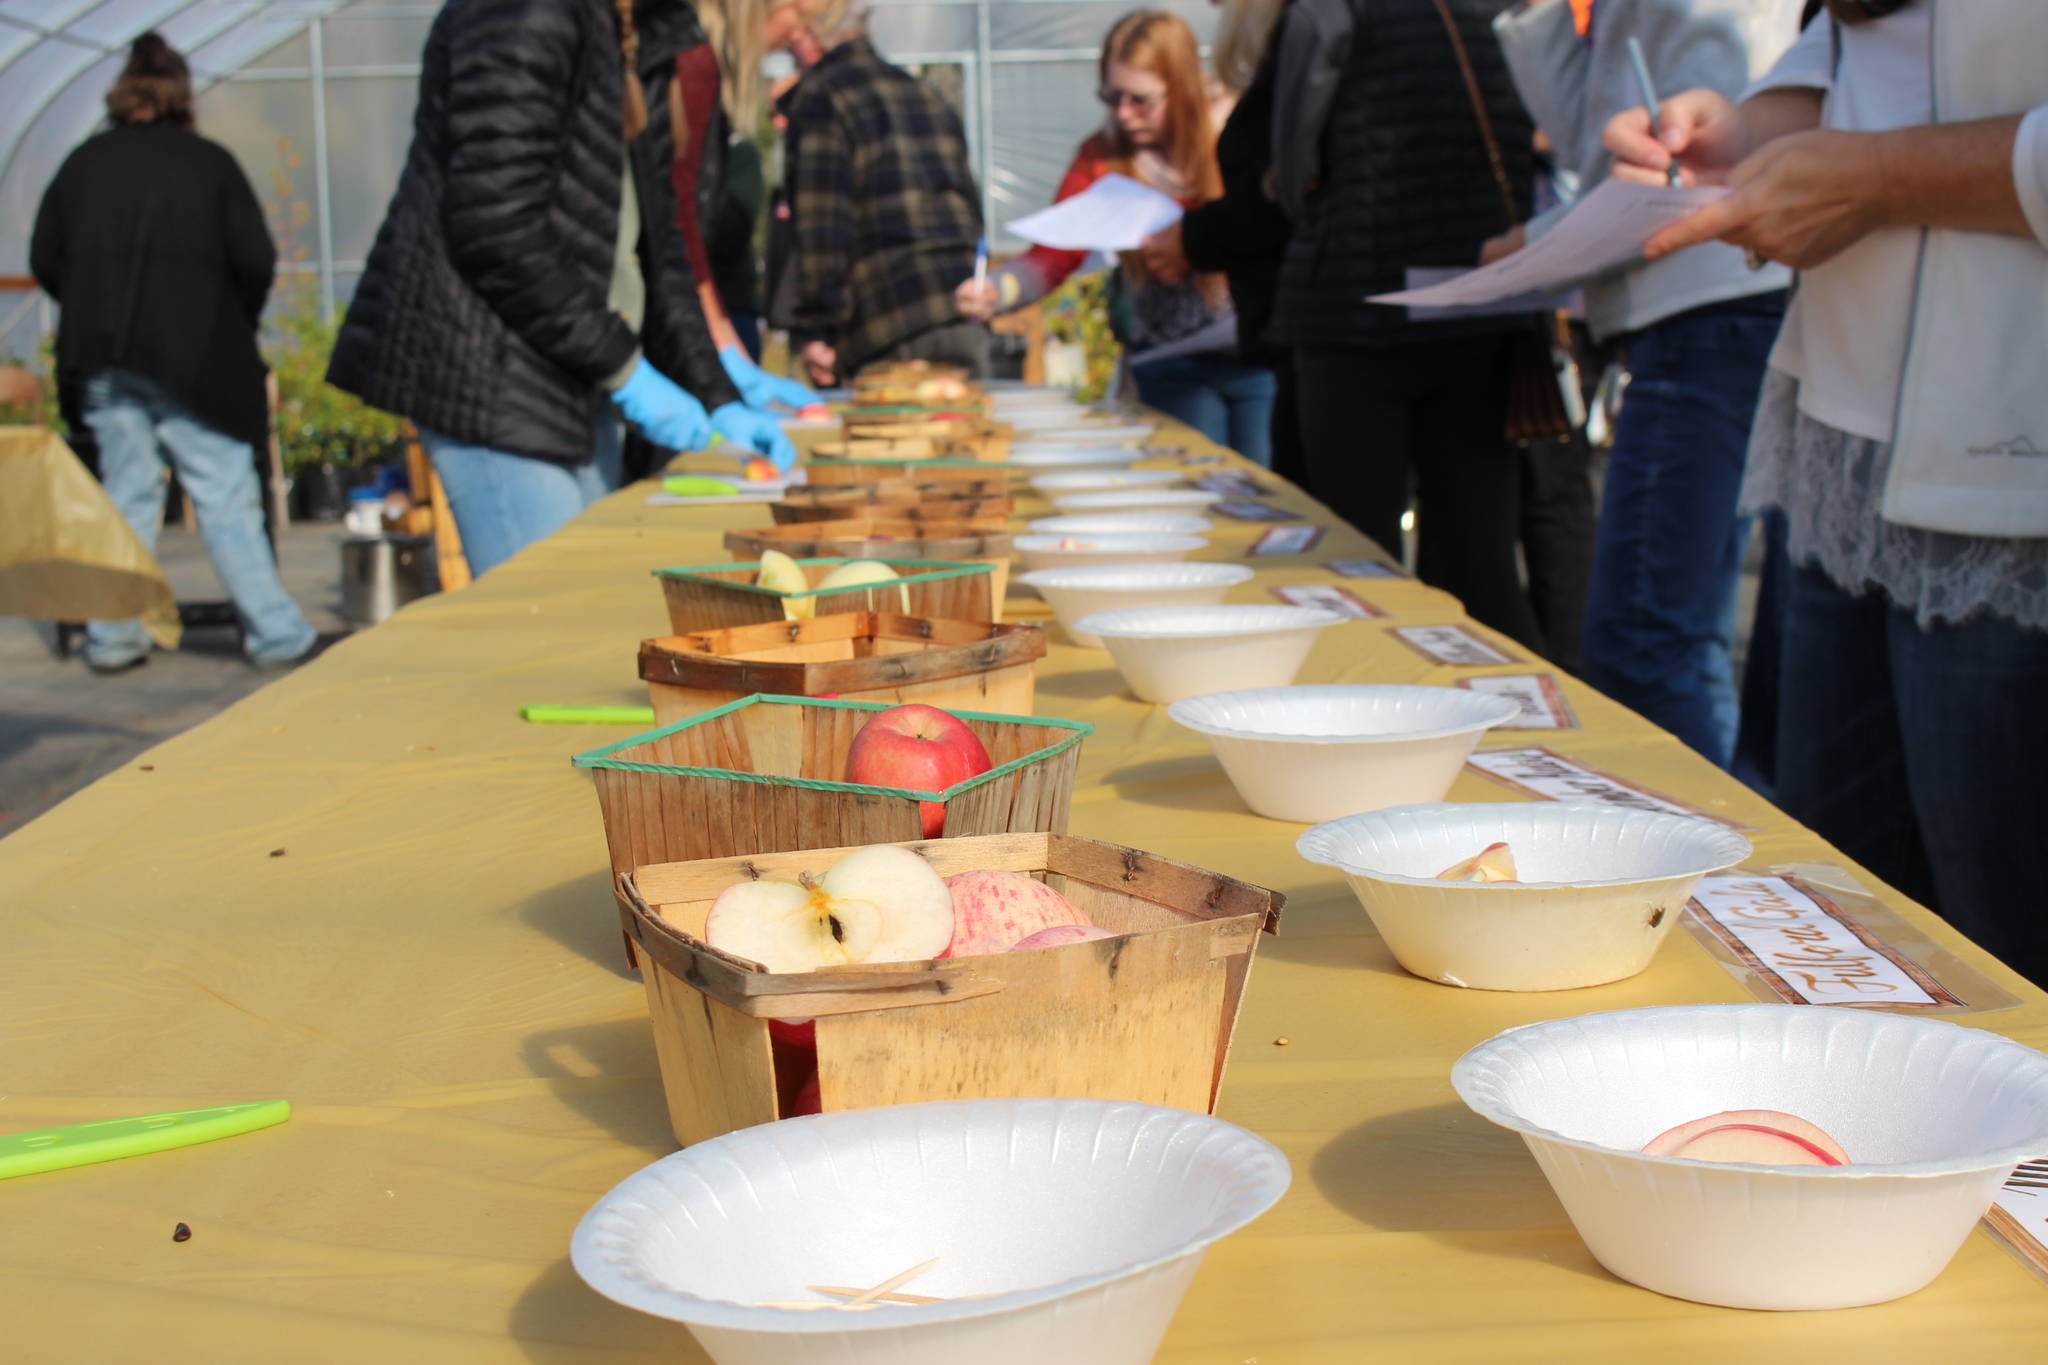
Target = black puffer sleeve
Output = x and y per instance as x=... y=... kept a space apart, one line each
x=677 y=338
x=512 y=68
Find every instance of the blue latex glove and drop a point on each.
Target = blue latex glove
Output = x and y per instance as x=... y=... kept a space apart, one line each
x=665 y=414
x=759 y=387
x=741 y=425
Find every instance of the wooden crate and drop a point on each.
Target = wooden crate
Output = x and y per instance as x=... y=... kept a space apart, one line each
x=885 y=537
x=712 y=596
x=858 y=656
x=1145 y=1016
x=983 y=514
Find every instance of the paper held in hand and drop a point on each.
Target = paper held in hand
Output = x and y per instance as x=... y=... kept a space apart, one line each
x=1116 y=213
x=1605 y=229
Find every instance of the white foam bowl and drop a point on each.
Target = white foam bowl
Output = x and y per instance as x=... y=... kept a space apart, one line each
x=1603 y=887
x=1138 y=500
x=1122 y=523
x=1070 y=457
x=1076 y=591
x=1933 y=1116
x=1084 y=432
x=1044 y=552
x=1098 y=480
x=1166 y=653
x=1317 y=752
x=1045 y=417
x=1080 y=1221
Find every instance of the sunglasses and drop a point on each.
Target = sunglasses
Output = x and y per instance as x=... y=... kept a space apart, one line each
x=1116 y=99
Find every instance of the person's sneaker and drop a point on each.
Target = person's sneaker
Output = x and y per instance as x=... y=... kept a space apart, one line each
x=124 y=666
x=321 y=644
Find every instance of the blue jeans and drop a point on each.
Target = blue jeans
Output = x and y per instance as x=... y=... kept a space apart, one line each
x=138 y=427
x=504 y=502
x=1218 y=395
x=1919 y=753
x=1660 y=616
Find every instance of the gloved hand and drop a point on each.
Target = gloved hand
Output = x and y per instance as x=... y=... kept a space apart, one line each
x=741 y=425
x=759 y=387
x=665 y=414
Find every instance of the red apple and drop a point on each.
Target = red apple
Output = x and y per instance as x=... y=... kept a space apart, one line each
x=1059 y=936
x=920 y=748
x=1758 y=1137
x=807 y=1100
x=993 y=910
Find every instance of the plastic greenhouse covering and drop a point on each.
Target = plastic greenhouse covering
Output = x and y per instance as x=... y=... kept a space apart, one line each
x=315 y=98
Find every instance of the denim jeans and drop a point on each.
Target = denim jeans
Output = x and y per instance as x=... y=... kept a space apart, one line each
x=1919 y=753
x=1660 y=616
x=138 y=427
x=1218 y=395
x=504 y=502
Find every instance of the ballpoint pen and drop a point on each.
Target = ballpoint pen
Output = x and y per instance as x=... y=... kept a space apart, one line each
x=1635 y=57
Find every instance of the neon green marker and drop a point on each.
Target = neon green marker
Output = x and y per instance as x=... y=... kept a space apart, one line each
x=81 y=1144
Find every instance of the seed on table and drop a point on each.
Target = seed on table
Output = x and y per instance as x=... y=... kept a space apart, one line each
x=182 y=1233
x=1282 y=1042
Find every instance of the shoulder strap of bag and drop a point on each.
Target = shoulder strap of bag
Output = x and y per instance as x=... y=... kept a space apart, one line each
x=1500 y=173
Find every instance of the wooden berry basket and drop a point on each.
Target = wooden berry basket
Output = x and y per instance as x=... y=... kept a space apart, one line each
x=1145 y=1016
x=885 y=537
x=713 y=596
x=826 y=469
x=982 y=514
x=854 y=498
x=856 y=656
x=883 y=373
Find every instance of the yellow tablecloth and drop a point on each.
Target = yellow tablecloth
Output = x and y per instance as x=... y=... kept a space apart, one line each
x=371 y=889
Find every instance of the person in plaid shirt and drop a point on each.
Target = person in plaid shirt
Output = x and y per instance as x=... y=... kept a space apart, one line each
x=886 y=214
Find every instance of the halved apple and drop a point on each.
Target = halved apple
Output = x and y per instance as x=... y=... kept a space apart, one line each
x=1757 y=1137
x=780 y=573
x=877 y=904
x=1494 y=863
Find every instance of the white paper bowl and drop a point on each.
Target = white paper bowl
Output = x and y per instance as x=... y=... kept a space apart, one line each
x=1064 y=456
x=1933 y=1116
x=1122 y=523
x=1166 y=653
x=1100 y=480
x=1318 y=752
x=1043 y=552
x=1604 y=886
x=1074 y=592
x=1082 y=431
x=1082 y=1220
x=1028 y=418
x=1168 y=500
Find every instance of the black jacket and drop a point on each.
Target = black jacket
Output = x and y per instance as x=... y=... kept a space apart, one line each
x=153 y=244
x=482 y=311
x=1401 y=172
x=1244 y=233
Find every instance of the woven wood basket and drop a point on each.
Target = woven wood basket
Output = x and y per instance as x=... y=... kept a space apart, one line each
x=980 y=514
x=713 y=596
x=1145 y=1016
x=858 y=656
x=884 y=537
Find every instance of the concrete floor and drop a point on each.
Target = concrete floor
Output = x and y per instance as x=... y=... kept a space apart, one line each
x=62 y=727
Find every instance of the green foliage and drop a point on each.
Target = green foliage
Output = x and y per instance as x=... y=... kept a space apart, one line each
x=315 y=421
x=1079 y=311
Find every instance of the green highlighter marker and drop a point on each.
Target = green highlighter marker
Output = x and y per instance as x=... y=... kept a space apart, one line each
x=81 y=1144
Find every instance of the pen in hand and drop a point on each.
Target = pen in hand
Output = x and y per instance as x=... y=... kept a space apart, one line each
x=1635 y=58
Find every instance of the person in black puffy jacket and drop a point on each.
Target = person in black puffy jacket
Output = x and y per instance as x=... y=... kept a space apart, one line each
x=1379 y=157
x=528 y=280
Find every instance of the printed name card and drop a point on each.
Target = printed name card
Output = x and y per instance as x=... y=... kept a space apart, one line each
x=1453 y=645
x=1808 y=949
x=1330 y=597
x=1246 y=509
x=1542 y=702
x=1287 y=540
x=1549 y=776
x=1364 y=568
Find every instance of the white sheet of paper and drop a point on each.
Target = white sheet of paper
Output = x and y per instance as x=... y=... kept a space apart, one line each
x=1605 y=229
x=1815 y=953
x=1116 y=213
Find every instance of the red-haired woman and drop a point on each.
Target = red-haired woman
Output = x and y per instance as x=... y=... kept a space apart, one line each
x=1161 y=130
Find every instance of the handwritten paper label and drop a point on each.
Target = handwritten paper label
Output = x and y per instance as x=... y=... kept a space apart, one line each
x=1232 y=484
x=1808 y=949
x=1549 y=776
x=1452 y=645
x=1287 y=540
x=1206 y=457
x=1329 y=596
x=1543 y=704
x=2020 y=1214
x=1364 y=568
x=1245 y=509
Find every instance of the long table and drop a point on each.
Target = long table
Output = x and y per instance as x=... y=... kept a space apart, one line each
x=372 y=889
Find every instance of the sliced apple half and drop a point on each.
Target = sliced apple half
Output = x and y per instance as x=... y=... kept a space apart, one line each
x=780 y=573
x=1494 y=863
x=877 y=904
x=1757 y=1137
x=916 y=908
